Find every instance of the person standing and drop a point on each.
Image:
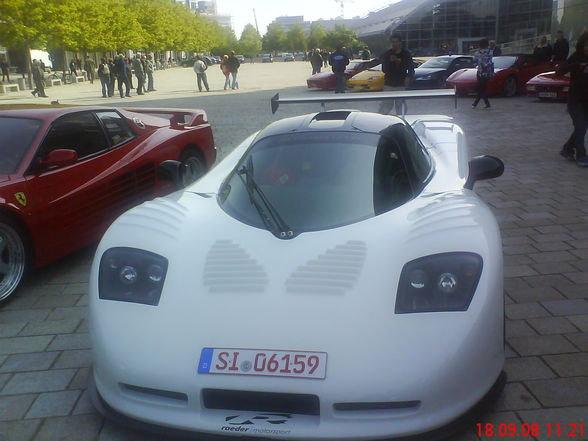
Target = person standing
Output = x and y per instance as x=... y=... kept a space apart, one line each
x=561 y=48
x=496 y=51
x=200 y=69
x=226 y=70
x=104 y=76
x=39 y=79
x=130 y=71
x=122 y=70
x=139 y=73
x=325 y=56
x=339 y=61
x=543 y=50
x=90 y=69
x=112 y=68
x=149 y=69
x=316 y=61
x=398 y=68
x=73 y=68
x=5 y=72
x=577 y=66
x=483 y=58
x=234 y=68
x=366 y=54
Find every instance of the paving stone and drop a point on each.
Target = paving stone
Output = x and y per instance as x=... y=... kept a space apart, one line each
x=115 y=432
x=515 y=283
x=4 y=379
x=562 y=415
x=14 y=407
x=541 y=345
x=51 y=327
x=553 y=246
x=80 y=381
x=509 y=352
x=32 y=315
x=20 y=302
x=553 y=256
x=525 y=310
x=70 y=428
x=578 y=291
x=17 y=345
x=580 y=321
x=68 y=313
x=516 y=240
x=83 y=301
x=52 y=404
x=18 y=430
x=566 y=307
x=70 y=341
x=518 y=249
x=582 y=253
x=36 y=361
x=527 y=368
x=581 y=264
x=84 y=405
x=74 y=359
x=76 y=288
x=526 y=295
x=515 y=397
x=83 y=326
x=518 y=328
x=553 y=267
x=577 y=277
x=555 y=280
x=43 y=381
x=569 y=365
x=580 y=340
x=551 y=325
x=519 y=271
x=560 y=392
x=50 y=301
x=11 y=329
x=551 y=237
x=550 y=229
x=517 y=259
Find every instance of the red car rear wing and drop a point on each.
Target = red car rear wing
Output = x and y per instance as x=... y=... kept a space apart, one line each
x=178 y=118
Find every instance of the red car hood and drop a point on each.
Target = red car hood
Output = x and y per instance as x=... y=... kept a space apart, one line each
x=549 y=79
x=320 y=76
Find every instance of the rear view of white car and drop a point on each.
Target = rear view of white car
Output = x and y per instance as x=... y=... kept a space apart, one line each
x=333 y=278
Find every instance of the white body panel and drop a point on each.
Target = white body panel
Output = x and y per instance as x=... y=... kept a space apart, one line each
x=446 y=360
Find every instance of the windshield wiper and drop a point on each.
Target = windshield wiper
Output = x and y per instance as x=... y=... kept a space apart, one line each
x=270 y=218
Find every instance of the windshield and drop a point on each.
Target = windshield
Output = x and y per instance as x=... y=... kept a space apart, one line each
x=320 y=180
x=503 y=62
x=354 y=65
x=16 y=135
x=437 y=63
x=377 y=68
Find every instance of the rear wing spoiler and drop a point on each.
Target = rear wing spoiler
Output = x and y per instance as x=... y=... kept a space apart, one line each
x=178 y=118
x=350 y=97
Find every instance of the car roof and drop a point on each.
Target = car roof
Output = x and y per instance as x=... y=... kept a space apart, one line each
x=333 y=120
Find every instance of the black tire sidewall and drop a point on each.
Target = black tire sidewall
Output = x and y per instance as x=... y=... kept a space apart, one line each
x=193 y=153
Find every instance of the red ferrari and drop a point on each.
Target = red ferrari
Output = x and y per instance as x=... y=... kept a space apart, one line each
x=549 y=86
x=511 y=73
x=66 y=173
x=326 y=80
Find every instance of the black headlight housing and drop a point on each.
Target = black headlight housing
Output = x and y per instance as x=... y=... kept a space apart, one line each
x=440 y=282
x=131 y=275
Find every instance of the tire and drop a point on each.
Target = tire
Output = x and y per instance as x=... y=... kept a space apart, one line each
x=193 y=166
x=14 y=258
x=510 y=87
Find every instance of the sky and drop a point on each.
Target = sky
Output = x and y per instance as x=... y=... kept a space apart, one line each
x=268 y=10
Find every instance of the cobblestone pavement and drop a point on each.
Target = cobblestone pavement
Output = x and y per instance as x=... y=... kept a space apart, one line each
x=542 y=206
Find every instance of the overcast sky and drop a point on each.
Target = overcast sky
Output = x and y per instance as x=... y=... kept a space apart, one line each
x=267 y=10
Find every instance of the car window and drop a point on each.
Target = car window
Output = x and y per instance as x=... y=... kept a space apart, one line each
x=437 y=63
x=75 y=131
x=16 y=135
x=503 y=62
x=116 y=127
x=418 y=159
x=460 y=63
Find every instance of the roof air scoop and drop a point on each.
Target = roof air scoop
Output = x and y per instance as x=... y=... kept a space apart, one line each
x=332 y=115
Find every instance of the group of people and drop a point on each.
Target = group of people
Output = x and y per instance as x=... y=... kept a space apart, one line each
x=121 y=70
x=318 y=59
x=229 y=67
x=556 y=53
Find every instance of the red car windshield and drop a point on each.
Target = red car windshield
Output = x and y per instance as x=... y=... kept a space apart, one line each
x=16 y=135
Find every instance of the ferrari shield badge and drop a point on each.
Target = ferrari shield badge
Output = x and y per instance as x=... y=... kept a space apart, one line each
x=21 y=198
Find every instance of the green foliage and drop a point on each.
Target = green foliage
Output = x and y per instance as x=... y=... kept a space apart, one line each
x=250 y=41
x=227 y=41
x=275 y=38
x=339 y=37
x=297 y=38
x=318 y=36
x=23 y=23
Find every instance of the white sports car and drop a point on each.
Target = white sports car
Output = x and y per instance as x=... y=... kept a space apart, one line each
x=333 y=278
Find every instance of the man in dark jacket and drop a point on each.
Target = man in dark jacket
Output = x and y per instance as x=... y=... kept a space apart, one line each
x=339 y=61
x=234 y=65
x=561 y=48
x=121 y=69
x=577 y=66
x=316 y=61
x=496 y=51
x=398 y=68
x=39 y=80
x=543 y=50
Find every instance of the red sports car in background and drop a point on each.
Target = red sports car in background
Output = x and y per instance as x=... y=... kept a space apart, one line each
x=549 y=86
x=326 y=80
x=67 y=173
x=511 y=73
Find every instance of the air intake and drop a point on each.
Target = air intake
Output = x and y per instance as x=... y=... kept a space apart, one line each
x=156 y=392
x=332 y=116
x=376 y=405
x=301 y=404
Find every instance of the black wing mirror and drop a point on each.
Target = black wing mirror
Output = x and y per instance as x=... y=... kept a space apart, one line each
x=483 y=167
x=171 y=171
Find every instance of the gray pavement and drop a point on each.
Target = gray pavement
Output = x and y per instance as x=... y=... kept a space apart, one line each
x=542 y=206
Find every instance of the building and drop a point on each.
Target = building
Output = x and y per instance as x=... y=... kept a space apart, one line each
x=287 y=22
x=208 y=9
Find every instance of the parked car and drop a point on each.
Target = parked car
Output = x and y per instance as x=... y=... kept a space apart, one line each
x=188 y=62
x=66 y=173
x=279 y=230
x=433 y=73
x=373 y=79
x=549 y=86
x=511 y=75
x=267 y=58
x=288 y=57
x=241 y=58
x=326 y=79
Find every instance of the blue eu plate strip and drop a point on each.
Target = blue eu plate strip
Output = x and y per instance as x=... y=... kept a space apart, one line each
x=205 y=359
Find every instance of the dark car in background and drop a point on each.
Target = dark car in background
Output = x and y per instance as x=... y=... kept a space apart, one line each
x=288 y=57
x=267 y=58
x=433 y=73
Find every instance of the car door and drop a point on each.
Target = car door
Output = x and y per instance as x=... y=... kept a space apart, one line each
x=75 y=203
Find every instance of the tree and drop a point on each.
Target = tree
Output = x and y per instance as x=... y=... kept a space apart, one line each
x=250 y=41
x=227 y=41
x=297 y=38
x=318 y=35
x=339 y=37
x=275 y=38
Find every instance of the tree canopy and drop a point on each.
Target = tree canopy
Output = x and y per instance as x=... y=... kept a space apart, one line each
x=318 y=36
x=275 y=38
x=296 y=38
x=250 y=41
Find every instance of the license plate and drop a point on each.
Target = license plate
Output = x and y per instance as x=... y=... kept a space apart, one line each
x=264 y=362
x=547 y=95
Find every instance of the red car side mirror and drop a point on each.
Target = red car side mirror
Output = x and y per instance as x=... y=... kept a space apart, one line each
x=59 y=158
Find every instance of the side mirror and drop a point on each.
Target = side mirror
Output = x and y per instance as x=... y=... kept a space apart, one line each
x=483 y=167
x=171 y=171
x=59 y=158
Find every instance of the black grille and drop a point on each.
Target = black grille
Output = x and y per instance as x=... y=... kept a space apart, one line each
x=376 y=405
x=302 y=404
x=158 y=392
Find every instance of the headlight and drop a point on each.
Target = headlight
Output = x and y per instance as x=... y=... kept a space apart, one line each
x=531 y=88
x=131 y=275
x=441 y=282
x=375 y=77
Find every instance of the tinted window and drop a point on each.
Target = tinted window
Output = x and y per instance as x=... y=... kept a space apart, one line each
x=116 y=127
x=321 y=180
x=16 y=135
x=77 y=131
x=503 y=62
x=437 y=62
x=418 y=160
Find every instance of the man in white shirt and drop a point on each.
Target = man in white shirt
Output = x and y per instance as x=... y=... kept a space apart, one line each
x=200 y=67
